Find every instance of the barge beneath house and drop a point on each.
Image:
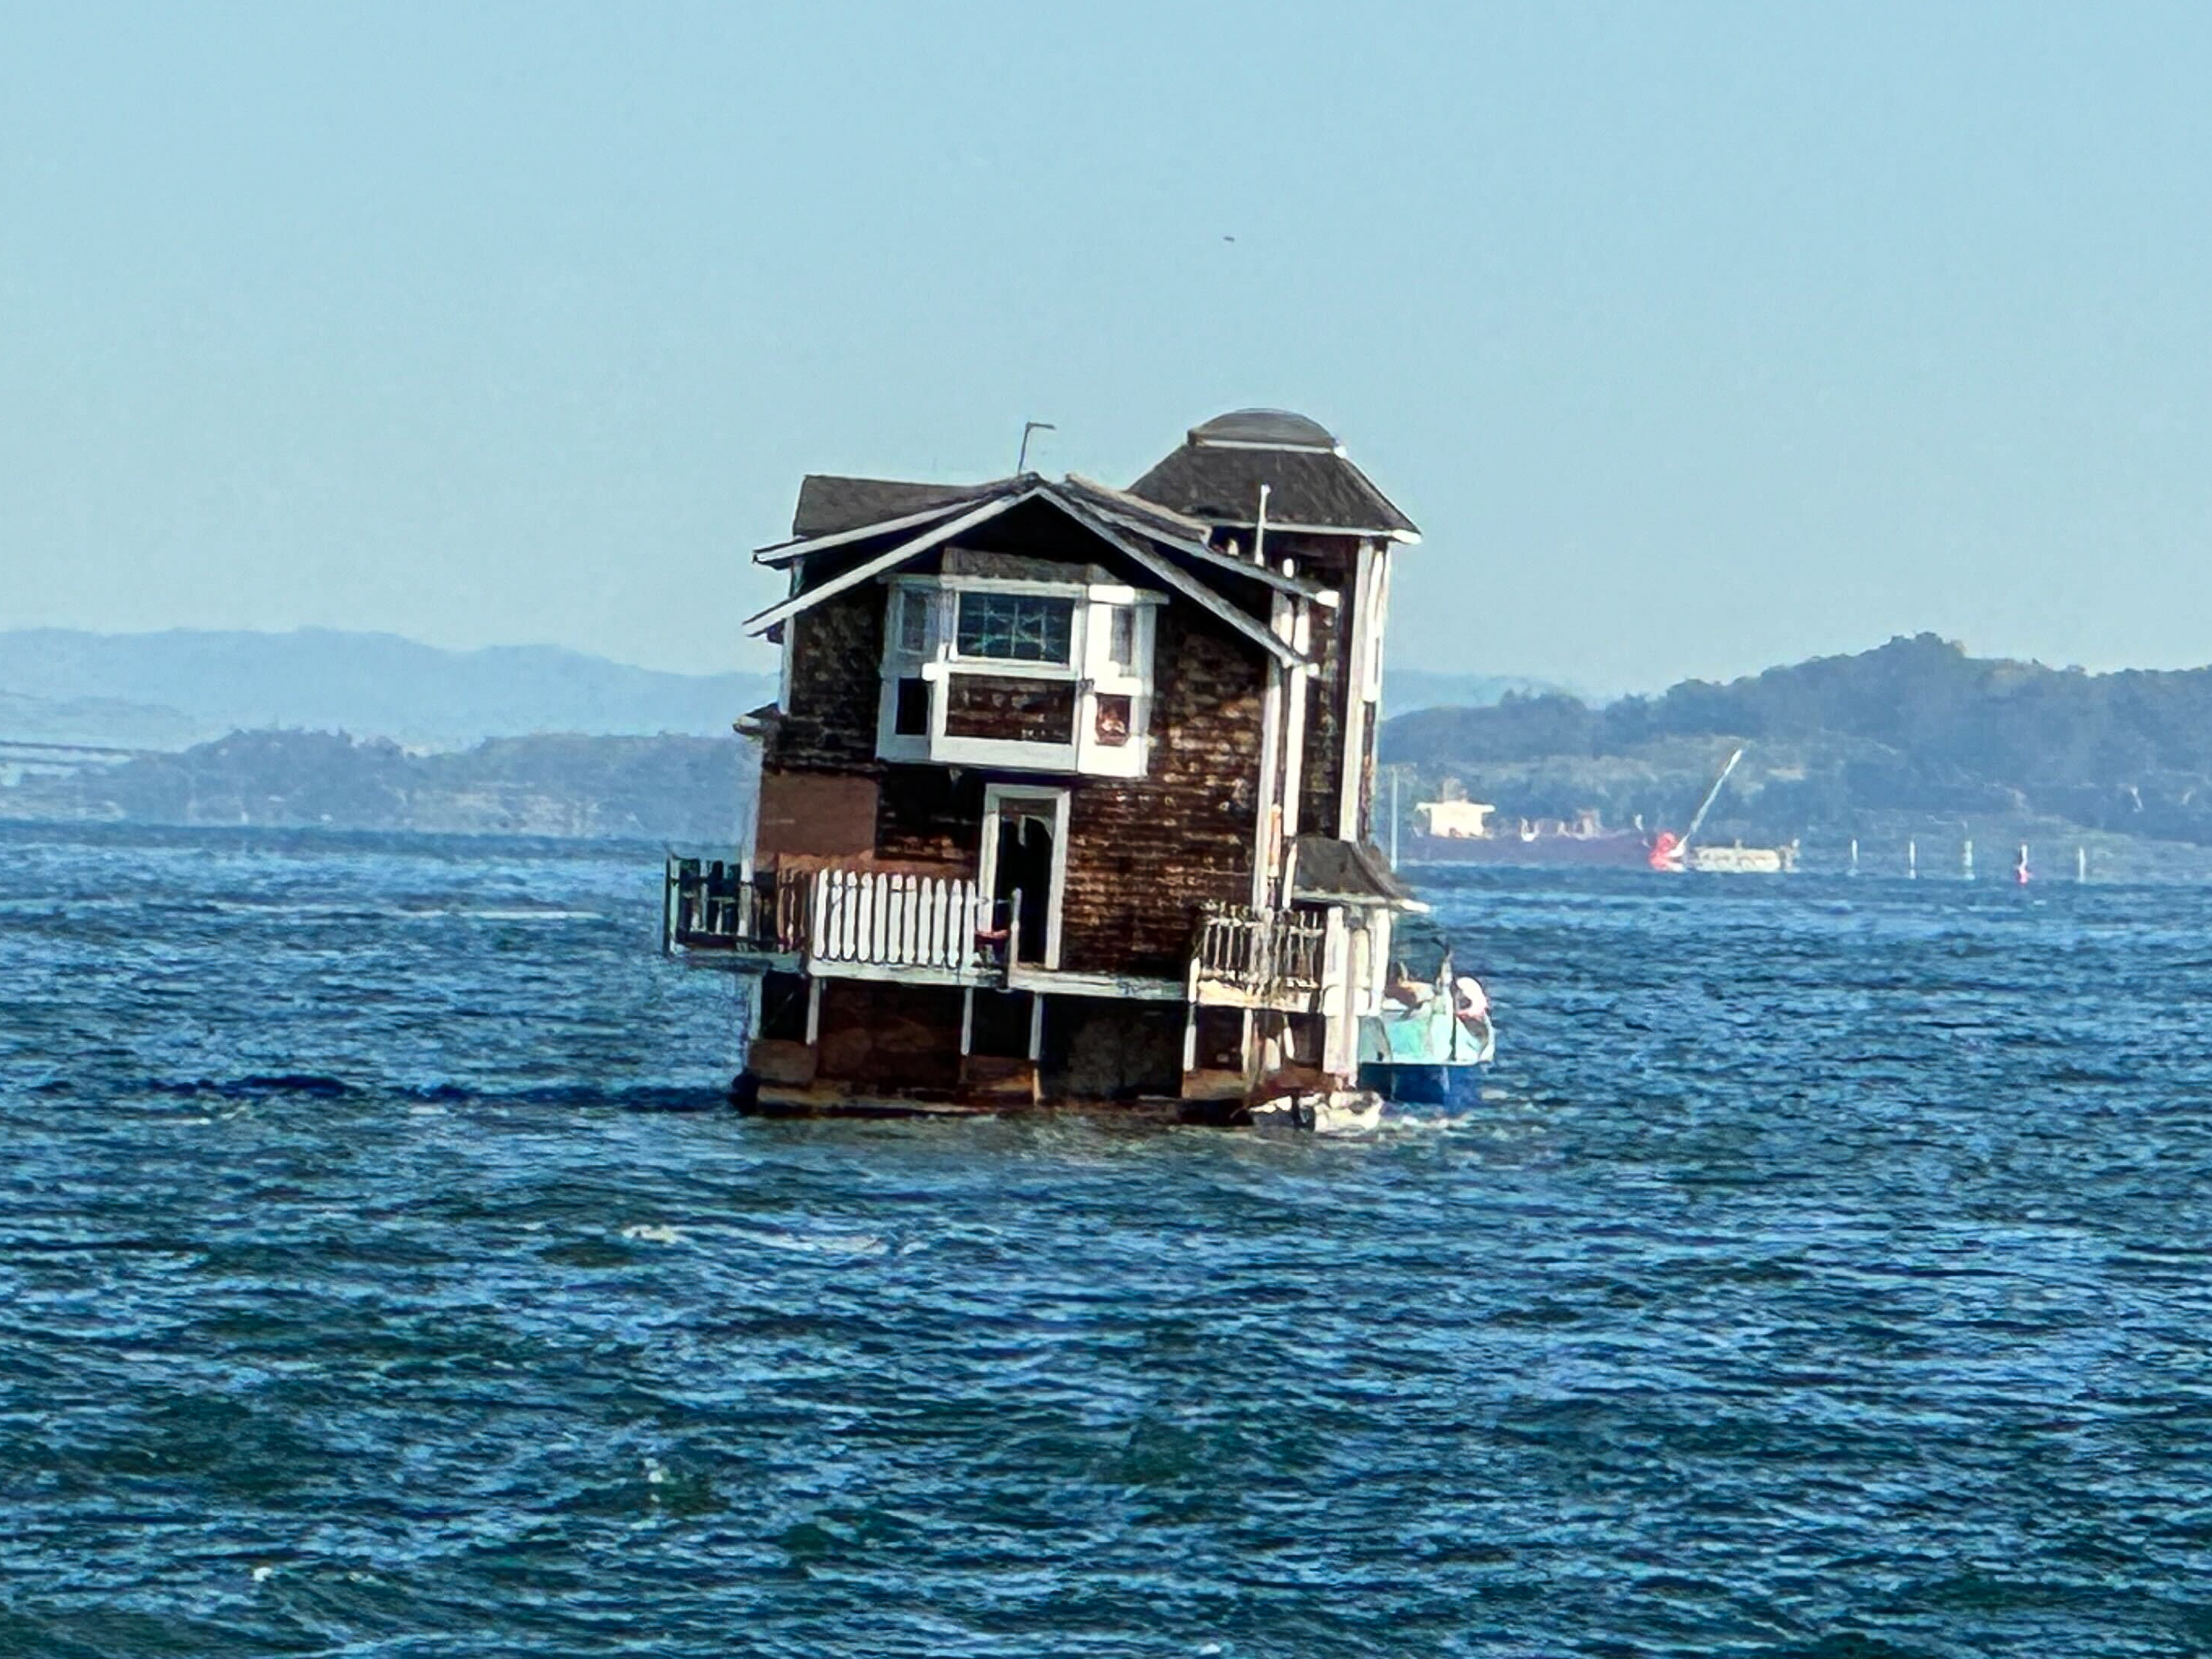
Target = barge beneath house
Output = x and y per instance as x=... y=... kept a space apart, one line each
x=1067 y=796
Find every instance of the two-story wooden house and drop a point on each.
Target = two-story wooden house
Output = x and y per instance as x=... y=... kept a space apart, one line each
x=1067 y=795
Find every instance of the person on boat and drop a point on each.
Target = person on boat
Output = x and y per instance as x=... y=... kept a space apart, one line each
x=1405 y=990
x=1470 y=1001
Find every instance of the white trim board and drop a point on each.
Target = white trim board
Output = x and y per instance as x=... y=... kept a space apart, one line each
x=1196 y=546
x=1096 y=522
x=1129 y=987
x=868 y=569
x=1197 y=592
x=781 y=553
x=995 y=796
x=1408 y=537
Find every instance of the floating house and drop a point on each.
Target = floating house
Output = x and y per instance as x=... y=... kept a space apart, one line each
x=1066 y=797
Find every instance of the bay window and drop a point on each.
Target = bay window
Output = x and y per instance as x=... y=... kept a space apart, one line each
x=1029 y=674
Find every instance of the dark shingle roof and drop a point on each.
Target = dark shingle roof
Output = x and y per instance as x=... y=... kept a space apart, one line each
x=1222 y=486
x=1216 y=474
x=1129 y=508
x=829 y=504
x=1348 y=870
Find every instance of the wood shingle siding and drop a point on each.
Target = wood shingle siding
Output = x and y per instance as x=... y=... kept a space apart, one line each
x=1022 y=711
x=927 y=815
x=1143 y=855
x=1320 y=774
x=836 y=675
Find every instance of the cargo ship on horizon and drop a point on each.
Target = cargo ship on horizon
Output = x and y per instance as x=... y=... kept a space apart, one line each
x=1461 y=832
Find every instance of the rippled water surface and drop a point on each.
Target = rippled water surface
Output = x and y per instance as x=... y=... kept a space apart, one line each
x=1824 y=1274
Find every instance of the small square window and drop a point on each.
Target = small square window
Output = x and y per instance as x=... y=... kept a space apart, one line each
x=1121 y=638
x=910 y=713
x=913 y=623
x=1112 y=723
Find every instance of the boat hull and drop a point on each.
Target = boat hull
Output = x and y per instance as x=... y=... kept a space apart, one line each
x=1415 y=1085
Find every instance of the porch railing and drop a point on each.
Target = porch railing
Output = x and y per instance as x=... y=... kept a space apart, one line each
x=707 y=905
x=898 y=920
x=1266 y=955
x=861 y=917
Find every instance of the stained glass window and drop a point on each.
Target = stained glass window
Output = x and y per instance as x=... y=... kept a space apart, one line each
x=1015 y=627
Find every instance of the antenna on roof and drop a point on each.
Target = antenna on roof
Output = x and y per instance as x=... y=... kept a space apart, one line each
x=1022 y=461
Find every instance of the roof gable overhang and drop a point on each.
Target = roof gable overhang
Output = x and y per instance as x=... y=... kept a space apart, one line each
x=1326 y=871
x=1185 y=538
x=781 y=554
x=935 y=527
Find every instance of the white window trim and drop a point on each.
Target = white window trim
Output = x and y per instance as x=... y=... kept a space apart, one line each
x=1090 y=668
x=995 y=796
x=1357 y=710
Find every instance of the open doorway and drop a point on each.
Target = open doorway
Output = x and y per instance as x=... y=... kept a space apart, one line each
x=1025 y=863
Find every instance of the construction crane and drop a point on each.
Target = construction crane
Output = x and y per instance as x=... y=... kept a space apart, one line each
x=1698 y=818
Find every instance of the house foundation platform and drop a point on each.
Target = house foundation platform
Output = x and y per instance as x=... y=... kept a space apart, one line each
x=1309 y=1108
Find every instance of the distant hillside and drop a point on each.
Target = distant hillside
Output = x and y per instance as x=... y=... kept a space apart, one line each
x=170 y=690
x=1407 y=689
x=194 y=685
x=688 y=790
x=105 y=721
x=1915 y=729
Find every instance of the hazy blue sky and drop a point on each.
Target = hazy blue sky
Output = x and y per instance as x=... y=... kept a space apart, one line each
x=1695 y=337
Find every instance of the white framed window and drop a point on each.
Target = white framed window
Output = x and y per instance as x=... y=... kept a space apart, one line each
x=1121 y=638
x=910 y=633
x=1014 y=627
x=1020 y=671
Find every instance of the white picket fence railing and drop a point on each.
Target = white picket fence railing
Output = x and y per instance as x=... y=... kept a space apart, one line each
x=896 y=921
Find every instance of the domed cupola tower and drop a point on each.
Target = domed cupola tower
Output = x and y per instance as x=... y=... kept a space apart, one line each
x=1278 y=486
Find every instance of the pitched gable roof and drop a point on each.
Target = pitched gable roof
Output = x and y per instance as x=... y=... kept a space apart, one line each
x=1311 y=484
x=829 y=503
x=1184 y=536
x=981 y=503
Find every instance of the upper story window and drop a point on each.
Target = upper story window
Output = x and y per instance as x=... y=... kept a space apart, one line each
x=1122 y=637
x=911 y=629
x=1019 y=670
x=1015 y=627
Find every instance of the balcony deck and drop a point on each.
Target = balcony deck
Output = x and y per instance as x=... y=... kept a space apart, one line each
x=1247 y=958
x=850 y=923
x=925 y=930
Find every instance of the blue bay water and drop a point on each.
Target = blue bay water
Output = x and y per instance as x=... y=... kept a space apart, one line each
x=1823 y=1274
